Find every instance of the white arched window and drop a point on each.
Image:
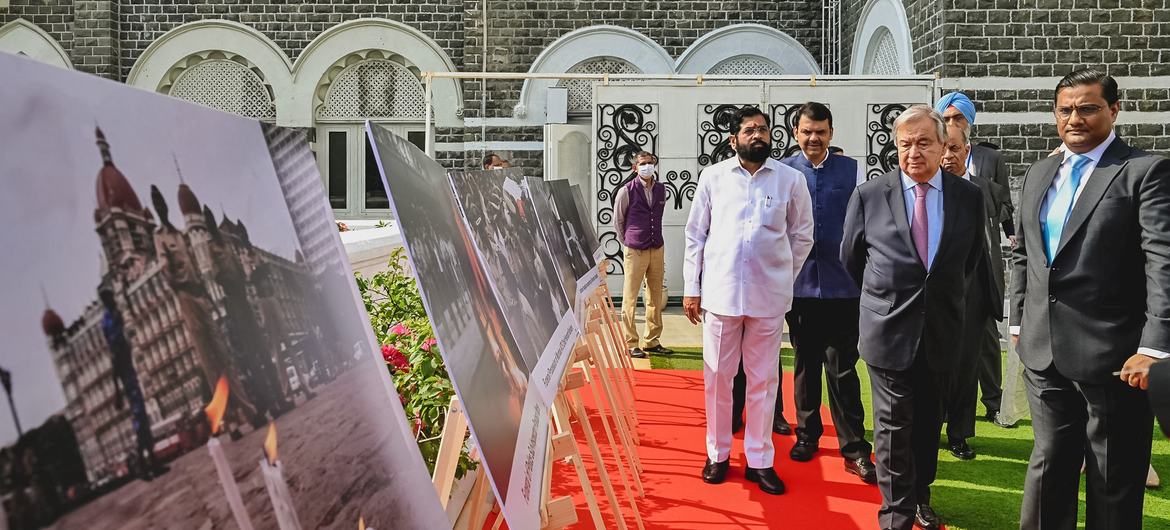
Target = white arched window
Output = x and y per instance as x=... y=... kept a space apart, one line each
x=746 y=49
x=22 y=37
x=882 y=54
x=374 y=85
x=747 y=65
x=882 y=44
x=581 y=90
x=222 y=81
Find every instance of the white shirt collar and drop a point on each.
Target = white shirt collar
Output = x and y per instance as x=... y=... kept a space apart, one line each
x=1097 y=152
x=815 y=165
x=935 y=181
x=769 y=164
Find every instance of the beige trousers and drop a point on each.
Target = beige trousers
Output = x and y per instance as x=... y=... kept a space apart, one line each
x=648 y=265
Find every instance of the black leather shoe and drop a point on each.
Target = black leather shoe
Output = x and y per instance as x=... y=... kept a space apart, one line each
x=863 y=468
x=962 y=451
x=991 y=415
x=736 y=424
x=660 y=350
x=781 y=426
x=926 y=519
x=767 y=479
x=637 y=353
x=803 y=450
x=715 y=472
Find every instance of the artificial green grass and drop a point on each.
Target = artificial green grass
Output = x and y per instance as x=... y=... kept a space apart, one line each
x=984 y=493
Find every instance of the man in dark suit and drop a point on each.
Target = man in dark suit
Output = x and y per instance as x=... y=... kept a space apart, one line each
x=913 y=263
x=1090 y=310
x=986 y=164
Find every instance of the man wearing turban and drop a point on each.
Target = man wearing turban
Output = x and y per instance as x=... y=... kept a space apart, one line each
x=984 y=163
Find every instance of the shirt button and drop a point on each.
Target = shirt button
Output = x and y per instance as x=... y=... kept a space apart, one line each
x=1052 y=299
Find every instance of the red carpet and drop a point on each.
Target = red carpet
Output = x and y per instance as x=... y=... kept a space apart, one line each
x=670 y=408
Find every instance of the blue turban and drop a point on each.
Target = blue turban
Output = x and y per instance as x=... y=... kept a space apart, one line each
x=959 y=101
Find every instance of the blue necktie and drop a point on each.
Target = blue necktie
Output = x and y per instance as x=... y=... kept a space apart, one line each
x=1062 y=204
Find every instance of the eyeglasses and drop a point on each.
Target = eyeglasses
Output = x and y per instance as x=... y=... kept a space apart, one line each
x=752 y=131
x=1084 y=111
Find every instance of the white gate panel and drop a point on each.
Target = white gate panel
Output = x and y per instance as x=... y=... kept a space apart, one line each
x=687 y=126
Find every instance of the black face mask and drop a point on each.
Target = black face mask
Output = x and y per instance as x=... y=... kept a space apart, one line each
x=756 y=152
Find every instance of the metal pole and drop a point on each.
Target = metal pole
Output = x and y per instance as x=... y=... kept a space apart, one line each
x=430 y=129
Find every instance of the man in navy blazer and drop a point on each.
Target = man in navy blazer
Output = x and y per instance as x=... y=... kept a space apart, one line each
x=912 y=240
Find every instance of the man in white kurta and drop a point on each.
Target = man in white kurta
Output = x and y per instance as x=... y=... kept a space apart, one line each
x=748 y=234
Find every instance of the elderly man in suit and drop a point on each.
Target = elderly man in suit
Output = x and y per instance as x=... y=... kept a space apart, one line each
x=912 y=240
x=984 y=303
x=1090 y=310
x=985 y=163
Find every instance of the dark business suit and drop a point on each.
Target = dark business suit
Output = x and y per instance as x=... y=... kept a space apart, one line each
x=1104 y=296
x=909 y=326
x=984 y=306
x=989 y=166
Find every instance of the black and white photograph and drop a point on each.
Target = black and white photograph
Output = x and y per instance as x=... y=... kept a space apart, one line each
x=507 y=418
x=172 y=357
x=506 y=234
x=538 y=194
x=591 y=239
x=573 y=229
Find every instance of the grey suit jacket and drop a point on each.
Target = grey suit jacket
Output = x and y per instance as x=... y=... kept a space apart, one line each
x=1107 y=292
x=901 y=303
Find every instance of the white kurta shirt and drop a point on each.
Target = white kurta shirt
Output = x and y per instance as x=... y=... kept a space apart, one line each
x=747 y=238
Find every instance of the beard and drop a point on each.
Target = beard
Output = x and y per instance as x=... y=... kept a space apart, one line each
x=756 y=152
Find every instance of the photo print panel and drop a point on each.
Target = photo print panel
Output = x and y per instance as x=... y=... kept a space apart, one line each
x=520 y=268
x=587 y=225
x=576 y=237
x=184 y=346
x=539 y=194
x=506 y=415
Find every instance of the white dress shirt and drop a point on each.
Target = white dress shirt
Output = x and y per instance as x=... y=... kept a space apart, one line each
x=1061 y=178
x=934 y=211
x=747 y=238
x=820 y=165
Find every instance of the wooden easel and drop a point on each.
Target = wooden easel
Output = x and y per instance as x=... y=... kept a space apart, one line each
x=600 y=363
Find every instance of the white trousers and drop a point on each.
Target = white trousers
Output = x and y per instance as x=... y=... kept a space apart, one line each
x=757 y=340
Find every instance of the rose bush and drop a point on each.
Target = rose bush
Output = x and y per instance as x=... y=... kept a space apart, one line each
x=412 y=355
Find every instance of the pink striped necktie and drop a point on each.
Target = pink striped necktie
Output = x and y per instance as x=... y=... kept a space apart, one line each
x=920 y=226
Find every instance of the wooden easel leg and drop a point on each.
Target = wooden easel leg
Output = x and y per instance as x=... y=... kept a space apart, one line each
x=450 y=448
x=561 y=418
x=620 y=420
x=622 y=366
x=607 y=485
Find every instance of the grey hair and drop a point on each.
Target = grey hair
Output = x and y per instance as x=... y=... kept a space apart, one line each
x=964 y=138
x=920 y=112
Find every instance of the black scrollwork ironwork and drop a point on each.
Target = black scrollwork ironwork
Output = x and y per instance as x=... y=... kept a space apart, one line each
x=881 y=155
x=784 y=118
x=680 y=186
x=622 y=131
x=714 y=128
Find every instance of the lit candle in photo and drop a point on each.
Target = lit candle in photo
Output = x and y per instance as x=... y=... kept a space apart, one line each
x=215 y=411
x=273 y=472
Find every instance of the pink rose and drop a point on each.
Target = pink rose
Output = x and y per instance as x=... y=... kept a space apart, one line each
x=399 y=329
x=426 y=345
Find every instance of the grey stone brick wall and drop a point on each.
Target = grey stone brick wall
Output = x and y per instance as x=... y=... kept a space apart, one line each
x=925 y=18
x=519 y=30
x=53 y=16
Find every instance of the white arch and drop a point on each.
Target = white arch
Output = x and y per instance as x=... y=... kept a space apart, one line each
x=878 y=14
x=338 y=42
x=738 y=40
x=585 y=43
x=151 y=68
x=24 y=37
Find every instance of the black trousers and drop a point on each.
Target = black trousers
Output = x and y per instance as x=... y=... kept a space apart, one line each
x=907 y=412
x=824 y=333
x=991 y=368
x=979 y=335
x=1107 y=426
